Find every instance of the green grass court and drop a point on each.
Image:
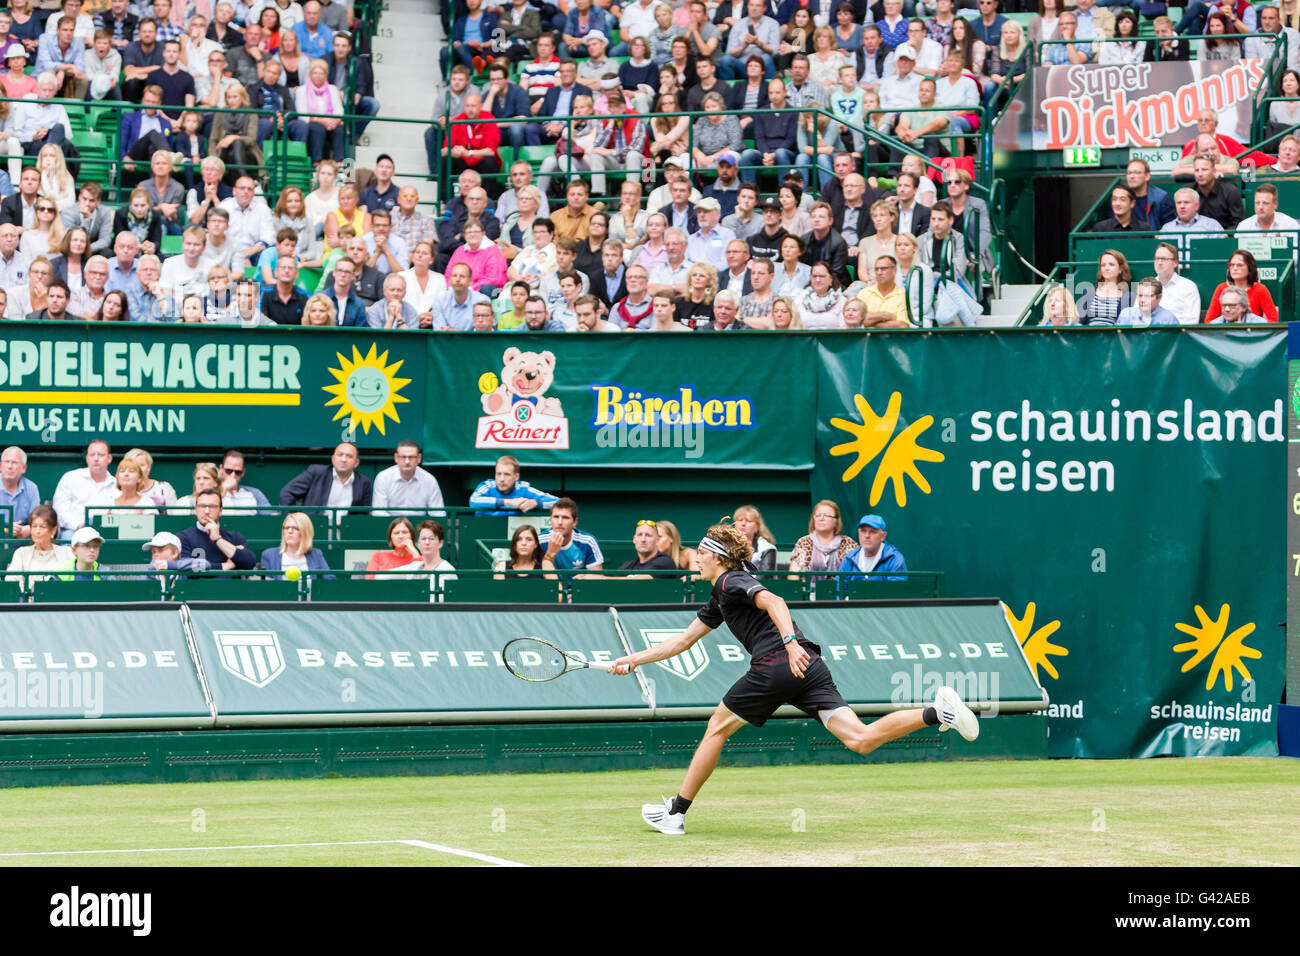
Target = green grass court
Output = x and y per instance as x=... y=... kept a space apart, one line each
x=1232 y=811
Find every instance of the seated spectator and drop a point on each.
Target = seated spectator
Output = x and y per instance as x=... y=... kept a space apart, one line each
x=43 y=554
x=970 y=214
x=207 y=477
x=1221 y=42
x=325 y=102
x=286 y=247
x=566 y=548
x=506 y=493
x=247 y=315
x=525 y=552
x=882 y=240
x=1070 y=51
x=1243 y=274
x=57 y=297
x=636 y=309
x=1113 y=292
x=16 y=82
x=114 y=308
x=1147 y=310
x=403 y=553
x=141 y=221
x=187 y=273
x=664 y=308
x=250 y=223
x=233 y=138
x=410 y=225
x=236 y=497
x=89 y=215
x=1168 y=48
x=792 y=272
x=645 y=542
x=1153 y=203
x=1122 y=219
x=210 y=193
x=405 y=487
x=716 y=135
x=453 y=309
x=473 y=142
x=874 y=559
x=823 y=244
x=142 y=60
x=296 y=549
x=669 y=543
x=821 y=305
x=824 y=547
x=20 y=207
x=45 y=236
x=429 y=541
x=218 y=547
x=382 y=194
x=451 y=229
x=1288 y=158
x=285 y=303
x=69 y=261
x=1267 y=218
x=77 y=488
x=1187 y=217
x=64 y=54
x=537 y=317
x=369 y=283
x=1234 y=307
x=320 y=312
x=336 y=485
x=86 y=543
x=1207 y=124
x=883 y=301
x=393 y=312
x=349 y=308
x=20 y=495
x=125 y=493
x=1059 y=308
x=749 y=522
x=388 y=254
x=291 y=213
x=56 y=182
x=942 y=247
x=1205 y=144
x=29 y=295
x=1178 y=294
x=785 y=314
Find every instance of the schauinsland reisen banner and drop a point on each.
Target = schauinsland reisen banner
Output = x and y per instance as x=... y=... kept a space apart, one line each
x=1122 y=492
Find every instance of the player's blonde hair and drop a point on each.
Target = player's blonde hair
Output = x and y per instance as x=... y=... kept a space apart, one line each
x=737 y=545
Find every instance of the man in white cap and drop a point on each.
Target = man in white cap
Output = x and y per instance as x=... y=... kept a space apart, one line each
x=598 y=71
x=901 y=90
x=675 y=168
x=709 y=242
x=165 y=553
x=874 y=554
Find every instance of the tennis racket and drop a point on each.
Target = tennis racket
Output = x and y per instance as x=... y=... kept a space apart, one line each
x=535 y=660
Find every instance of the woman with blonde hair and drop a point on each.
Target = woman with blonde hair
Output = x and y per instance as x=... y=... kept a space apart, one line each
x=151 y=486
x=349 y=212
x=627 y=223
x=668 y=133
x=670 y=543
x=696 y=306
x=324 y=199
x=207 y=477
x=785 y=314
x=748 y=520
x=824 y=547
x=125 y=493
x=884 y=216
x=653 y=251
x=46 y=234
x=1059 y=308
x=56 y=182
x=517 y=232
x=320 y=311
x=234 y=136
x=319 y=97
x=824 y=64
x=295 y=550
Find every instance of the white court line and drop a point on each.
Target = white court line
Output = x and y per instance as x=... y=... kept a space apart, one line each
x=494 y=860
x=497 y=861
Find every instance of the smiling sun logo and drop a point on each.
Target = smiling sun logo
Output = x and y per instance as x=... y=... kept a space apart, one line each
x=1036 y=645
x=1228 y=651
x=901 y=451
x=368 y=389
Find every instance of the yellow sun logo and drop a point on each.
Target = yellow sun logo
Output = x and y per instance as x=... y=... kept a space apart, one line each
x=1230 y=650
x=1035 y=643
x=901 y=456
x=367 y=389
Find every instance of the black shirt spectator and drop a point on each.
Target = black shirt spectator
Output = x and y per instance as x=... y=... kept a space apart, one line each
x=832 y=250
x=281 y=312
x=1111 y=224
x=660 y=562
x=1222 y=204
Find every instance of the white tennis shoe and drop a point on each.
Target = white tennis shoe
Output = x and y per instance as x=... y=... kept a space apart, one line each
x=953 y=712
x=661 y=817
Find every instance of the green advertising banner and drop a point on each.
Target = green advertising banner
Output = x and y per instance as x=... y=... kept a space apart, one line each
x=161 y=385
x=70 y=668
x=1118 y=490
x=711 y=401
x=365 y=665
x=883 y=658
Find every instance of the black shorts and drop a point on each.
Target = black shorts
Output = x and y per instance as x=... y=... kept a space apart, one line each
x=769 y=683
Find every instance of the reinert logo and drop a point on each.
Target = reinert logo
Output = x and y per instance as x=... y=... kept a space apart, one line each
x=76 y=909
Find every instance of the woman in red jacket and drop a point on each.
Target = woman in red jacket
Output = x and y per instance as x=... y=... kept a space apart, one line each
x=474 y=145
x=1244 y=274
x=401 y=538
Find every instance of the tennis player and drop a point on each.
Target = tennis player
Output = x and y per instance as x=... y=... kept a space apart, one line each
x=785 y=668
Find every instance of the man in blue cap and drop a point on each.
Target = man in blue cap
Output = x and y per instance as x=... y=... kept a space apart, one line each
x=874 y=555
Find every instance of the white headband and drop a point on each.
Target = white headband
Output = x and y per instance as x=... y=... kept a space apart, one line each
x=708 y=544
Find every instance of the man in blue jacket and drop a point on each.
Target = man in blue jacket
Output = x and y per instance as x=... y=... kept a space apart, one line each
x=505 y=494
x=219 y=548
x=874 y=558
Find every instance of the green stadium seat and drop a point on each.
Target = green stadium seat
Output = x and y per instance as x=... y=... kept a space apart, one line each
x=782 y=587
x=106 y=591
x=364 y=527
x=11 y=592
x=483 y=590
x=535 y=154
x=386 y=591
x=621 y=591
x=234 y=589
x=171 y=245
x=923 y=587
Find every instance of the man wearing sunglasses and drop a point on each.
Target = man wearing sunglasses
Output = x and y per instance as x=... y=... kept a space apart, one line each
x=648 y=556
x=237 y=498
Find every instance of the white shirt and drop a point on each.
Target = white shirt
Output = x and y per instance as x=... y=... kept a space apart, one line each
x=929 y=56
x=75 y=490
x=637 y=21
x=196 y=57
x=422 y=301
x=736 y=283
x=897 y=93
x=340 y=491
x=421 y=495
x=1280 y=221
x=182 y=279
x=250 y=226
x=239 y=502
x=1183 y=299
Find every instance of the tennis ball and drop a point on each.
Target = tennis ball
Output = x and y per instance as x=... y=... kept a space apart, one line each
x=293 y=574
x=487 y=382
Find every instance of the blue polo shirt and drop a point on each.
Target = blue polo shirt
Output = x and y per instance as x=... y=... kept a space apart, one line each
x=21 y=502
x=582 y=552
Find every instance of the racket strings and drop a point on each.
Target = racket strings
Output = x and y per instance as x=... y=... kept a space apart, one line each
x=534 y=660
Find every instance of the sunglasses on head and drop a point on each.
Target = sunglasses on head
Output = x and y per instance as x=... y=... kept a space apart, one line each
x=646 y=521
